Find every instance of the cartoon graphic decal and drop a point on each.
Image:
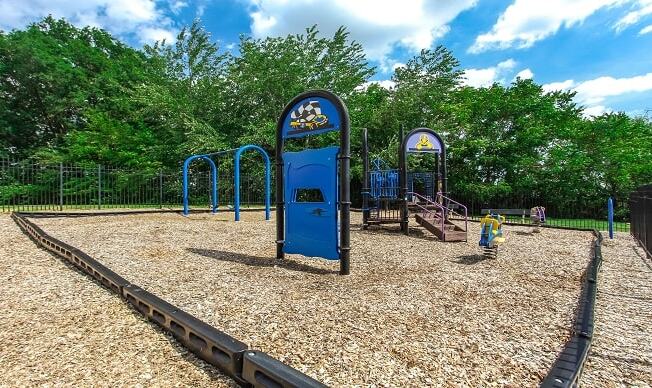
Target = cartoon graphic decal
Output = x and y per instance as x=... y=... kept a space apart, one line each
x=308 y=116
x=311 y=116
x=424 y=143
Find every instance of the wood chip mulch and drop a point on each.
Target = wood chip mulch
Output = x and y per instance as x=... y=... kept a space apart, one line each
x=58 y=327
x=414 y=311
x=621 y=351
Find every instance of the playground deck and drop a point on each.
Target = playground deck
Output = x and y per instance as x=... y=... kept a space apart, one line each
x=413 y=311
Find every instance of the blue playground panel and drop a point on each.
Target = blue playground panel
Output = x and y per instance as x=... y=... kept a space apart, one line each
x=311 y=203
x=426 y=179
x=384 y=184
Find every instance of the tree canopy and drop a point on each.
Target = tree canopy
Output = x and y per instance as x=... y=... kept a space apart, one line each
x=79 y=95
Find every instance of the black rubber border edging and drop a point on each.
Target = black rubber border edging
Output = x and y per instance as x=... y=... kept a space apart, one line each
x=567 y=369
x=233 y=357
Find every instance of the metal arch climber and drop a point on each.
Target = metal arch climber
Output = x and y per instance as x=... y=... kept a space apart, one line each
x=186 y=164
x=236 y=200
x=236 y=178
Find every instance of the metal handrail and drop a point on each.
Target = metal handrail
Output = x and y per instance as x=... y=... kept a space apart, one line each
x=466 y=216
x=426 y=210
x=445 y=210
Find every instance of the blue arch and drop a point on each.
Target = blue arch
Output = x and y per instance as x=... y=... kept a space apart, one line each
x=186 y=164
x=236 y=190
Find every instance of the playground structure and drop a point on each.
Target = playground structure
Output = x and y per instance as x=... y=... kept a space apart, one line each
x=389 y=195
x=491 y=234
x=312 y=186
x=236 y=178
x=313 y=220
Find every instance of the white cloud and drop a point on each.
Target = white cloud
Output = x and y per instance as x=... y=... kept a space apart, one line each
x=596 y=90
x=151 y=35
x=596 y=110
x=642 y=8
x=177 y=6
x=140 y=18
x=131 y=11
x=378 y=25
x=482 y=78
x=593 y=93
x=525 y=74
x=526 y=21
x=645 y=30
x=387 y=84
x=554 y=86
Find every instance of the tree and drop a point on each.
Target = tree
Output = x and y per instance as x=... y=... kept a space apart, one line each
x=271 y=71
x=51 y=73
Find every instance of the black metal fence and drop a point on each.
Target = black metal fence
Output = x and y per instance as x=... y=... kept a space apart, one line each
x=640 y=203
x=29 y=186
x=581 y=213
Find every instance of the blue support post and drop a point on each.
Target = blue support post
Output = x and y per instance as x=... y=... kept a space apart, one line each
x=214 y=198
x=236 y=200
x=186 y=165
x=610 y=206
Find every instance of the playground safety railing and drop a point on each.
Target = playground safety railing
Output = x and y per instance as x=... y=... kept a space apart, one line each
x=439 y=214
x=384 y=184
x=441 y=198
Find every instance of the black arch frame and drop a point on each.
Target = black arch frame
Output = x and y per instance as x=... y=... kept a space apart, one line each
x=402 y=152
x=344 y=158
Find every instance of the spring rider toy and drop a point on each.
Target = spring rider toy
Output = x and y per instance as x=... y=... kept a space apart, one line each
x=491 y=234
x=537 y=217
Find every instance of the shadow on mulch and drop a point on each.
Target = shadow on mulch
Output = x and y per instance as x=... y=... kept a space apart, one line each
x=643 y=257
x=258 y=261
x=522 y=233
x=414 y=232
x=470 y=259
x=624 y=296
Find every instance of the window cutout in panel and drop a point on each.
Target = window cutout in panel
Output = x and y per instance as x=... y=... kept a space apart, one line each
x=308 y=195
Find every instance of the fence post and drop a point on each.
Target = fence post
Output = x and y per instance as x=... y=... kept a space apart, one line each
x=160 y=189
x=60 y=186
x=99 y=187
x=610 y=207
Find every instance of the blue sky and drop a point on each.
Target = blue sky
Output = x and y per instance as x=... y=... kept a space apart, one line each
x=600 y=48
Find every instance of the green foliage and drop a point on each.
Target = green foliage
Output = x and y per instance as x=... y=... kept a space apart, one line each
x=52 y=73
x=80 y=96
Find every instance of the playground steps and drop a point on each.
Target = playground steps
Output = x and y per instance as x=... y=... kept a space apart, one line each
x=413 y=208
x=449 y=231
